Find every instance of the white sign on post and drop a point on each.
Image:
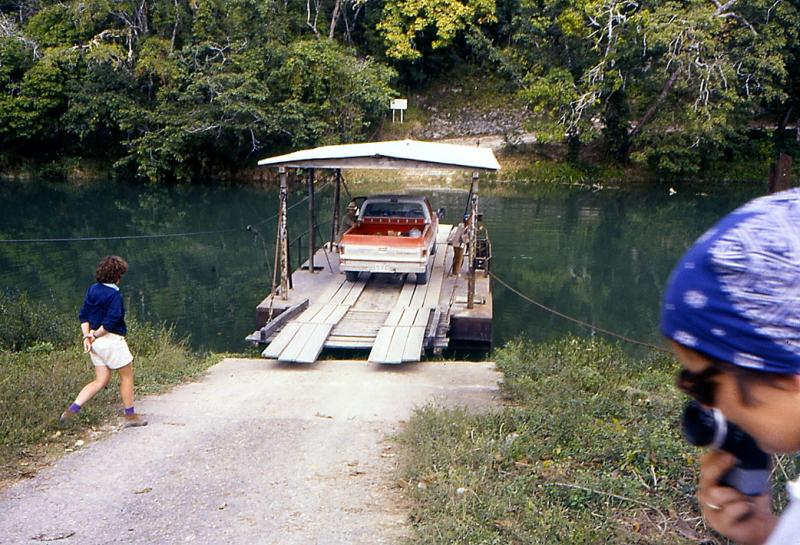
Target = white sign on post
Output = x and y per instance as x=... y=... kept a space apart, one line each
x=398 y=104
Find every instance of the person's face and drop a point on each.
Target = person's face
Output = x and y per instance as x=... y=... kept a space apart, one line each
x=351 y=211
x=771 y=414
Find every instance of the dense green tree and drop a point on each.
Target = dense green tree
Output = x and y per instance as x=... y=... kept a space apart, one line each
x=30 y=113
x=326 y=95
x=52 y=26
x=187 y=89
x=220 y=103
x=405 y=21
x=669 y=81
x=16 y=54
x=183 y=90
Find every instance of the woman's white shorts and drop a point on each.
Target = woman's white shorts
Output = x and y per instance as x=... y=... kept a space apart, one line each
x=111 y=351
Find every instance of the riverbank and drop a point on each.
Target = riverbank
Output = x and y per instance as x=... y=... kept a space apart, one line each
x=293 y=454
x=585 y=448
x=44 y=367
x=586 y=451
x=522 y=161
x=478 y=113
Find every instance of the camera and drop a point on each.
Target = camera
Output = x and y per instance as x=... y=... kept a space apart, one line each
x=704 y=427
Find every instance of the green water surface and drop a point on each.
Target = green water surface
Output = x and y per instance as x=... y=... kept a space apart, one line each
x=599 y=255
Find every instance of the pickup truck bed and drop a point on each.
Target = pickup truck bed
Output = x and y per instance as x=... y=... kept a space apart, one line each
x=392 y=244
x=391 y=229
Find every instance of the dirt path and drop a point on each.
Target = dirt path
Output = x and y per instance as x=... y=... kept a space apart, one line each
x=256 y=453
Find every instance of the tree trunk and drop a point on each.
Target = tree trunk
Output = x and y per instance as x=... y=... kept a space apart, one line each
x=141 y=18
x=312 y=24
x=617 y=119
x=651 y=111
x=337 y=6
x=780 y=131
x=573 y=147
x=175 y=27
x=779 y=171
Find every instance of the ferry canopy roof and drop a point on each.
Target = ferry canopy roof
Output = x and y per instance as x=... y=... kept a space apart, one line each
x=390 y=155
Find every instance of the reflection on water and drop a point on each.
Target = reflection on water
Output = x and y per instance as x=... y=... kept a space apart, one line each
x=601 y=256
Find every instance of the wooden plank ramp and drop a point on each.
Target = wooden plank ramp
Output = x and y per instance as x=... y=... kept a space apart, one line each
x=402 y=335
x=302 y=339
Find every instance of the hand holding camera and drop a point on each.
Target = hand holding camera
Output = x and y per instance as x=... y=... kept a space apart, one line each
x=747 y=520
x=709 y=428
x=734 y=489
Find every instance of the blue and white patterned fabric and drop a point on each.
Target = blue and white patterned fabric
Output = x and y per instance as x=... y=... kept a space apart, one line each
x=735 y=294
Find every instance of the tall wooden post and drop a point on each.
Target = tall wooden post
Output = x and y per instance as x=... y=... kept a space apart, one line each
x=284 y=232
x=337 y=190
x=311 y=220
x=472 y=230
x=779 y=174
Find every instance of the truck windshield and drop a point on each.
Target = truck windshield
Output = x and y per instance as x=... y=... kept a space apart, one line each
x=393 y=209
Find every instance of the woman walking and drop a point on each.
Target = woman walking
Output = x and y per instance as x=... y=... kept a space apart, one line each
x=102 y=318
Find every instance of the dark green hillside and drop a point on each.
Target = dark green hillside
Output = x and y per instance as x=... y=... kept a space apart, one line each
x=197 y=90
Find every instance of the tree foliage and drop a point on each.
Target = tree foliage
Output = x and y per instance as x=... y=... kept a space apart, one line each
x=179 y=90
x=404 y=21
x=667 y=81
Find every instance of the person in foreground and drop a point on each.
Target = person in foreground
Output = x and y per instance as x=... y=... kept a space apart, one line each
x=732 y=311
x=103 y=326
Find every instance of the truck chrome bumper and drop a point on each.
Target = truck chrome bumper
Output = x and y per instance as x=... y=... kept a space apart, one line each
x=371 y=266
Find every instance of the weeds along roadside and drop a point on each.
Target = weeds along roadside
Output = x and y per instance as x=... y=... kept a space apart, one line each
x=43 y=367
x=586 y=450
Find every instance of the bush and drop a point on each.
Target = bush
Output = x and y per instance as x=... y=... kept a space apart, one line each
x=161 y=359
x=25 y=323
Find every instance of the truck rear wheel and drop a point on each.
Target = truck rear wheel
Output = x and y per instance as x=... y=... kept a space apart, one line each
x=352 y=276
x=422 y=278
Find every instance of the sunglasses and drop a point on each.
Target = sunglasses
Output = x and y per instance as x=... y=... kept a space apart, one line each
x=699 y=386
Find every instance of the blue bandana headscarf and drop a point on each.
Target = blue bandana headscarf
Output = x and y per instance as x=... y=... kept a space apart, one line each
x=735 y=295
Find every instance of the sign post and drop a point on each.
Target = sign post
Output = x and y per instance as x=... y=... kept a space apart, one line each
x=398 y=104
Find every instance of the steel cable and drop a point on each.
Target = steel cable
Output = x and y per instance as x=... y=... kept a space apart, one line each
x=575 y=320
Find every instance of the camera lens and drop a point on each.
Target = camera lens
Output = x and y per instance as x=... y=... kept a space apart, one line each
x=699 y=425
x=708 y=428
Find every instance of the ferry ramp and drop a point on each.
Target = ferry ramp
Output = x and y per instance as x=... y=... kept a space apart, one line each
x=392 y=316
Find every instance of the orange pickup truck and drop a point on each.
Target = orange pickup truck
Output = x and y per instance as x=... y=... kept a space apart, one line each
x=393 y=234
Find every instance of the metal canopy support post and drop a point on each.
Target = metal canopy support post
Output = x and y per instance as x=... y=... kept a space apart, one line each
x=472 y=230
x=311 y=220
x=337 y=189
x=284 y=232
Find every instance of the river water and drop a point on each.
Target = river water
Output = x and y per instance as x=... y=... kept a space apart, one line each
x=600 y=255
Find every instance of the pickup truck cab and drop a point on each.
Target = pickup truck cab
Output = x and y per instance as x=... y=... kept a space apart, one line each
x=393 y=234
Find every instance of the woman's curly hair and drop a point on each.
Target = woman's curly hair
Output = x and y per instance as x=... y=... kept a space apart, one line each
x=110 y=269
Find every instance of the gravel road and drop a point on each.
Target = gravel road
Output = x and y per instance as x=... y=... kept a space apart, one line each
x=256 y=453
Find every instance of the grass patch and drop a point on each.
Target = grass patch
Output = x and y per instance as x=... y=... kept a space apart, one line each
x=414 y=120
x=40 y=374
x=588 y=450
x=552 y=171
